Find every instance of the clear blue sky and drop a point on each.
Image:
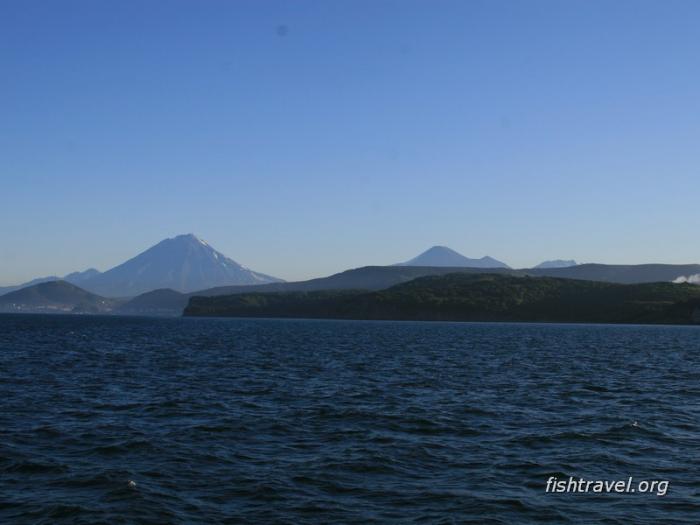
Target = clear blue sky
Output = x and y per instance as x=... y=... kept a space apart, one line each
x=303 y=138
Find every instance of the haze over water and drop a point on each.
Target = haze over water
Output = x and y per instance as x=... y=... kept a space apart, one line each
x=294 y=421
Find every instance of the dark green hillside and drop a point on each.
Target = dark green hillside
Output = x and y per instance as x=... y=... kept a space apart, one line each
x=158 y=302
x=284 y=304
x=55 y=296
x=474 y=297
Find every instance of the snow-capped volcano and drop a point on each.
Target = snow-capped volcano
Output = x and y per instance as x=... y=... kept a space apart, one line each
x=184 y=263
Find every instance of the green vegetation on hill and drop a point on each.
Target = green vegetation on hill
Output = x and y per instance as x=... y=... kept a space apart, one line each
x=55 y=297
x=164 y=302
x=474 y=297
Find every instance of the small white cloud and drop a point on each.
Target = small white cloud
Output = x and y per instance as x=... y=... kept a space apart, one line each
x=692 y=279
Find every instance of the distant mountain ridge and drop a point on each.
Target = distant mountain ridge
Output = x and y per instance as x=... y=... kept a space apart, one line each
x=73 y=278
x=81 y=277
x=557 y=263
x=444 y=256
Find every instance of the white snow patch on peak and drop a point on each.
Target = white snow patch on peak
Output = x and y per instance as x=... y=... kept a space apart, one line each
x=202 y=242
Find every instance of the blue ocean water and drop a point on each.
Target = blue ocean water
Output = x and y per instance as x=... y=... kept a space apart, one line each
x=135 y=420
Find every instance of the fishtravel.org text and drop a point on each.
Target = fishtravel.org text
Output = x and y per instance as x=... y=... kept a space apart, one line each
x=628 y=486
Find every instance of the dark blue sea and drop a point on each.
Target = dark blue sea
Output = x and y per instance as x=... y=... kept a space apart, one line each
x=135 y=420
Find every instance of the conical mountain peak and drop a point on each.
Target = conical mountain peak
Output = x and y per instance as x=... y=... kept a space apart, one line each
x=184 y=263
x=445 y=256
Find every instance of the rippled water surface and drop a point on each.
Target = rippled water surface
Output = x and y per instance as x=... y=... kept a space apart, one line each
x=285 y=421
